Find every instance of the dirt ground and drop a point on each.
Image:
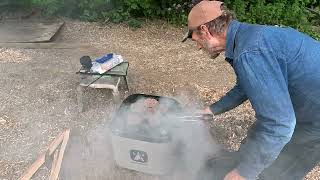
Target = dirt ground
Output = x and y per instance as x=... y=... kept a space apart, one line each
x=38 y=96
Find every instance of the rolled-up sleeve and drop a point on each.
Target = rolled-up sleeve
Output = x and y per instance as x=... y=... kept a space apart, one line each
x=263 y=80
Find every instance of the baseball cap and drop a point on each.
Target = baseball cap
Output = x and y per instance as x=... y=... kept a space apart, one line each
x=203 y=12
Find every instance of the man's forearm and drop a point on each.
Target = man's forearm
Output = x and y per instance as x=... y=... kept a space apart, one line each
x=232 y=99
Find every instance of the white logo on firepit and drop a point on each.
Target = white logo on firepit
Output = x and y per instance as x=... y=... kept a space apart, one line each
x=138 y=156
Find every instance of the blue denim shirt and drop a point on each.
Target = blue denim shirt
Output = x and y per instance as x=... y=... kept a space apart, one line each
x=278 y=71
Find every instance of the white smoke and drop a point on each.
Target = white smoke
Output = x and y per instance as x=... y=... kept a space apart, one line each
x=92 y=157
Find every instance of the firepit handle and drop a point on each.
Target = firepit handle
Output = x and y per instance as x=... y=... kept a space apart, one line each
x=207 y=117
x=197 y=117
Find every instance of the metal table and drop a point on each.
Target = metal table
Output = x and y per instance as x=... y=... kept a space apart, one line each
x=108 y=80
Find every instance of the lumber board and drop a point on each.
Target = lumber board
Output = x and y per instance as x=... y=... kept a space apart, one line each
x=42 y=157
x=54 y=163
x=29 y=31
x=56 y=169
x=49 y=45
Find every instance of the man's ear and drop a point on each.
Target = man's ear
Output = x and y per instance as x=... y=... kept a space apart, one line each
x=204 y=30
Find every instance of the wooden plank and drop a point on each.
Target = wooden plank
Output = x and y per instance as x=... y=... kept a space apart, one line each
x=56 y=142
x=34 y=167
x=29 y=31
x=42 y=158
x=56 y=170
x=54 y=163
x=44 y=45
x=53 y=146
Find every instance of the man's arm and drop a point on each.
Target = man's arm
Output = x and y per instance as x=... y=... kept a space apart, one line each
x=265 y=84
x=232 y=99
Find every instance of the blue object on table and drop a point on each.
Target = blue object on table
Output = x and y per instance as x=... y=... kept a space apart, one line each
x=104 y=58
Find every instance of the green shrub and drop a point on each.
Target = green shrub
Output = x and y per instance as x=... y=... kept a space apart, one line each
x=11 y=5
x=292 y=13
x=134 y=23
x=173 y=11
x=49 y=7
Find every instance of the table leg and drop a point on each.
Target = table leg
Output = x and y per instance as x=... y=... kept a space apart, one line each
x=116 y=96
x=126 y=82
x=80 y=98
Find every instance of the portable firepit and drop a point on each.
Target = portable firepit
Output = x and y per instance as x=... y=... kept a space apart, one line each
x=140 y=142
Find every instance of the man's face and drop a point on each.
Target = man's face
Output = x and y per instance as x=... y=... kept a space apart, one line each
x=212 y=44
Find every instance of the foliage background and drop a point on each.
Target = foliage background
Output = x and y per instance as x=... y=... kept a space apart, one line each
x=299 y=14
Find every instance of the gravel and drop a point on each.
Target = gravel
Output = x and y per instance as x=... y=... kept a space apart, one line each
x=38 y=96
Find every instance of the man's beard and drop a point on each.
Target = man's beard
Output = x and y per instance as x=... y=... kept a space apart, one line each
x=213 y=56
x=210 y=50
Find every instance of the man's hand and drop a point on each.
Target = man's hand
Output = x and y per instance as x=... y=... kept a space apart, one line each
x=206 y=111
x=234 y=175
x=206 y=114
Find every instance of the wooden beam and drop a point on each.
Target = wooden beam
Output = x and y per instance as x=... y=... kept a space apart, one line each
x=55 y=143
x=49 y=45
x=34 y=167
x=56 y=169
x=54 y=162
x=42 y=158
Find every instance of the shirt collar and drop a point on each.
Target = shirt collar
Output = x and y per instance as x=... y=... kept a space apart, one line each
x=231 y=34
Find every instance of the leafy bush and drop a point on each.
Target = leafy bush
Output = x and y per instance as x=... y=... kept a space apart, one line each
x=6 y=5
x=292 y=13
x=175 y=11
x=49 y=7
x=89 y=10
